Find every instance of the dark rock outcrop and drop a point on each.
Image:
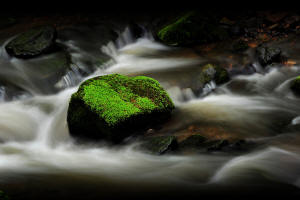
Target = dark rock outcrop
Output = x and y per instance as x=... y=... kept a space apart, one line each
x=33 y=42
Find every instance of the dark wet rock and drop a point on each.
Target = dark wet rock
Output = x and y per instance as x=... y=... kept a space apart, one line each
x=247 y=70
x=267 y=55
x=33 y=42
x=192 y=28
x=213 y=73
x=192 y=142
x=239 y=46
x=209 y=76
x=159 y=144
x=218 y=145
x=295 y=85
x=240 y=146
x=113 y=107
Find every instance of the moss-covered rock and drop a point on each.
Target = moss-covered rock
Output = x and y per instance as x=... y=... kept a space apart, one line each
x=295 y=85
x=159 y=144
x=213 y=73
x=32 y=43
x=193 y=141
x=116 y=106
x=268 y=55
x=191 y=28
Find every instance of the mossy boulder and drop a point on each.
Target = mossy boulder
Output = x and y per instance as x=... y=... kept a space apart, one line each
x=115 y=106
x=192 y=28
x=295 y=85
x=268 y=55
x=159 y=144
x=213 y=73
x=33 y=42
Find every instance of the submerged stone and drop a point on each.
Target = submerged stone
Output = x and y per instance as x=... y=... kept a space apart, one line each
x=32 y=43
x=115 y=106
x=159 y=144
x=295 y=85
x=213 y=73
x=192 y=28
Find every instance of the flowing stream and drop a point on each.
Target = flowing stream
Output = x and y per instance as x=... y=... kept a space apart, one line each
x=38 y=158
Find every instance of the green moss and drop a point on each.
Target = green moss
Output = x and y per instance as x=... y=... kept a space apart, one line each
x=111 y=101
x=295 y=85
x=116 y=97
x=212 y=72
x=191 y=28
x=177 y=32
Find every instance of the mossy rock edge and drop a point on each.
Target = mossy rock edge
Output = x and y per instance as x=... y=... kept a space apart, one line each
x=190 y=29
x=115 y=106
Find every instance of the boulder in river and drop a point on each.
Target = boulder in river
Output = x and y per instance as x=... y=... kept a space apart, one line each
x=213 y=73
x=33 y=42
x=159 y=144
x=295 y=85
x=268 y=55
x=115 y=106
x=192 y=28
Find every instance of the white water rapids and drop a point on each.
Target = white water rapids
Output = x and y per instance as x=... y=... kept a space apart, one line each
x=35 y=141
